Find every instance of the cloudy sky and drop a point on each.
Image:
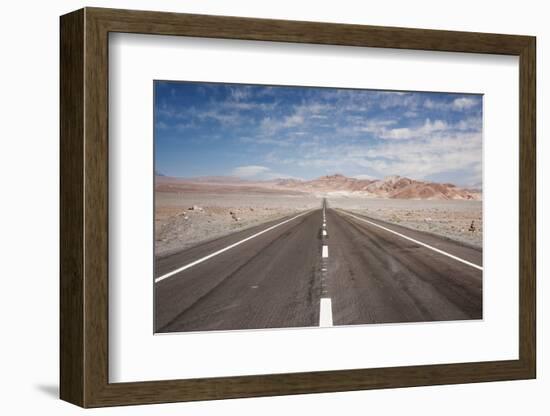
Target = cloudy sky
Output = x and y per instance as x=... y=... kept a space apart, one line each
x=265 y=132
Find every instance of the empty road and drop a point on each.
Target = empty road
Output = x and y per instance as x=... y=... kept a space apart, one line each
x=323 y=267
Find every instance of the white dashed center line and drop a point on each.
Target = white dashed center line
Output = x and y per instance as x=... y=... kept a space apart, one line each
x=325 y=314
x=325 y=304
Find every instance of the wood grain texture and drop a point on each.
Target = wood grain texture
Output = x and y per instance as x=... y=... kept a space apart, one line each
x=96 y=219
x=162 y=23
x=84 y=207
x=71 y=208
x=527 y=207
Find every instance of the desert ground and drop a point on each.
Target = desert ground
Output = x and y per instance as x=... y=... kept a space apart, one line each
x=458 y=220
x=188 y=213
x=184 y=218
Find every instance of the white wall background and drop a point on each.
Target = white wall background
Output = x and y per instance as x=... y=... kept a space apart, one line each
x=29 y=206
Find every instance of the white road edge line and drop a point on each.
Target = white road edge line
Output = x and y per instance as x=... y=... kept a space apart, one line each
x=325 y=252
x=324 y=232
x=417 y=242
x=325 y=312
x=187 y=266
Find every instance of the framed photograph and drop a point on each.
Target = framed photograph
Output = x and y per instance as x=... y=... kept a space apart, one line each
x=255 y=207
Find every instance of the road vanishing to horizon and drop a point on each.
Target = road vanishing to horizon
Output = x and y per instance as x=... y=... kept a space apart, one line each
x=318 y=268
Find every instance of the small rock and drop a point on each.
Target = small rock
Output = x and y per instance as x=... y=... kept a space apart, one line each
x=472 y=227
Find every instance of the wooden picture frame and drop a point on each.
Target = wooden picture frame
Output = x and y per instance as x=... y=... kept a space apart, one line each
x=84 y=207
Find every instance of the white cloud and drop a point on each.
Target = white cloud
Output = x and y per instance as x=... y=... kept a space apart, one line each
x=278 y=175
x=458 y=104
x=267 y=140
x=308 y=115
x=221 y=117
x=239 y=93
x=190 y=115
x=363 y=176
x=431 y=104
x=456 y=151
x=233 y=105
x=463 y=103
x=271 y=125
x=249 y=171
x=418 y=149
x=392 y=99
x=375 y=126
x=292 y=121
x=445 y=150
x=406 y=133
x=258 y=172
x=373 y=135
x=473 y=123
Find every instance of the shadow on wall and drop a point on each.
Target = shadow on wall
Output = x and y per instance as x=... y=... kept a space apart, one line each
x=51 y=390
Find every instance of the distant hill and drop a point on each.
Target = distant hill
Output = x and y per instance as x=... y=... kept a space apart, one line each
x=396 y=187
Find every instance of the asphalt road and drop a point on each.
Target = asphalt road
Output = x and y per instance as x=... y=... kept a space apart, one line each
x=323 y=267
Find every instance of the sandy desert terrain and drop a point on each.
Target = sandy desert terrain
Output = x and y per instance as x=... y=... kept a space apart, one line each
x=458 y=220
x=187 y=216
x=190 y=212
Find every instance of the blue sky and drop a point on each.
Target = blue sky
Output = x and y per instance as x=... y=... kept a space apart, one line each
x=265 y=132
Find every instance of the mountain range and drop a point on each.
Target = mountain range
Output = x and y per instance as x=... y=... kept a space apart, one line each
x=394 y=187
x=397 y=187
